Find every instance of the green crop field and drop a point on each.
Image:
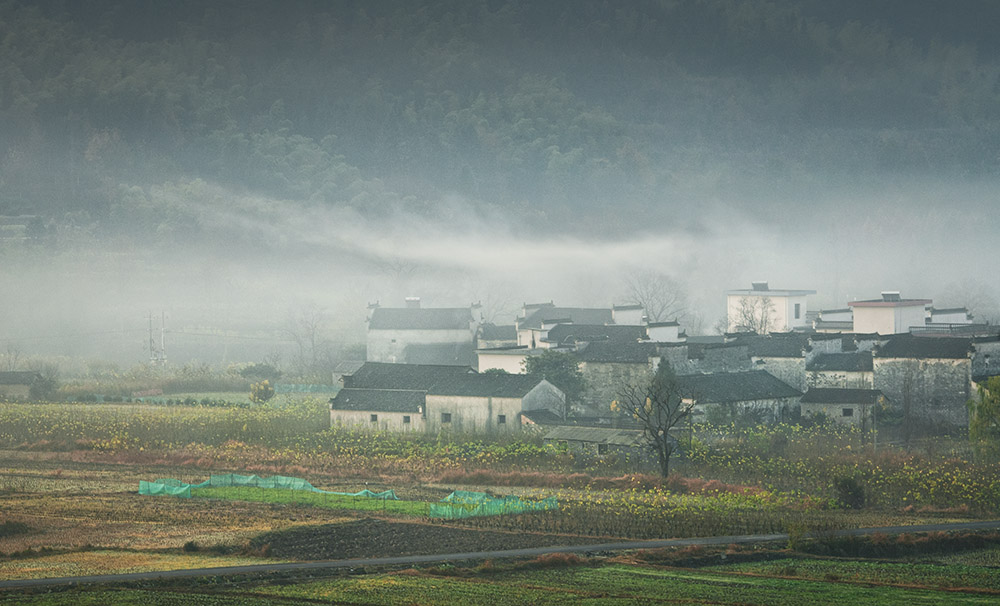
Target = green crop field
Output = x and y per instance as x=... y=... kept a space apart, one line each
x=591 y=586
x=898 y=573
x=303 y=497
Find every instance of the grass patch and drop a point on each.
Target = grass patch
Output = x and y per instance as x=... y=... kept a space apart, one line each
x=314 y=499
x=897 y=573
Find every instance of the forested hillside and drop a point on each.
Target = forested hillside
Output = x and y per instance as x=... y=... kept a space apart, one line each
x=122 y=116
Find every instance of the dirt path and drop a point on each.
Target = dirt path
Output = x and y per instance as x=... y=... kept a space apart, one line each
x=476 y=555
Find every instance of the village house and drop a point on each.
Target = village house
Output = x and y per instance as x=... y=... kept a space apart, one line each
x=751 y=396
x=435 y=398
x=852 y=370
x=889 y=315
x=843 y=406
x=927 y=379
x=537 y=319
x=417 y=335
x=834 y=321
x=762 y=309
x=16 y=384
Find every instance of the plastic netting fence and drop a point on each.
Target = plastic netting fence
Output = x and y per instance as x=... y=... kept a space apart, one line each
x=463 y=504
x=176 y=488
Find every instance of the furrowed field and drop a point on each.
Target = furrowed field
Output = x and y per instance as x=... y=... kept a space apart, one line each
x=69 y=501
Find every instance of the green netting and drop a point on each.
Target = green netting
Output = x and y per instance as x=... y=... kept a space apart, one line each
x=176 y=488
x=464 y=504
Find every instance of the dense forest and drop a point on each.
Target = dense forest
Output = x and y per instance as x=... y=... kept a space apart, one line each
x=138 y=119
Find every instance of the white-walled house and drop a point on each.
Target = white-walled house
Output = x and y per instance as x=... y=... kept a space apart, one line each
x=536 y=320
x=434 y=398
x=422 y=335
x=507 y=359
x=762 y=309
x=889 y=315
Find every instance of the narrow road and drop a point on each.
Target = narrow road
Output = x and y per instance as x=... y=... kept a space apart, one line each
x=476 y=555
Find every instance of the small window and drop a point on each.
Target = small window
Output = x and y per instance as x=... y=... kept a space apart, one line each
x=501 y=419
x=847 y=412
x=406 y=419
x=374 y=418
x=602 y=449
x=446 y=417
x=798 y=310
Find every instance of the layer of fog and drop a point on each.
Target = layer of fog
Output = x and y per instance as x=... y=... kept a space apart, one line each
x=930 y=240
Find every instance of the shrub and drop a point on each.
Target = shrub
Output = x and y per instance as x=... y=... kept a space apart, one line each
x=850 y=492
x=191 y=547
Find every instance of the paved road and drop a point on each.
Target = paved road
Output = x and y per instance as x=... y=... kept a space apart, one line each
x=476 y=555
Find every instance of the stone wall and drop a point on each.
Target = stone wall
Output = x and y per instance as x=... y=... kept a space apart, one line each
x=605 y=380
x=840 y=379
x=789 y=370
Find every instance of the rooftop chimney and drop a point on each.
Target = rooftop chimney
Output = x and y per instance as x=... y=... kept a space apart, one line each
x=412 y=302
x=759 y=285
x=890 y=295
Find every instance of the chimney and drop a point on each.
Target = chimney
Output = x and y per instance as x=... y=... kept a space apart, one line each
x=890 y=295
x=759 y=285
x=412 y=302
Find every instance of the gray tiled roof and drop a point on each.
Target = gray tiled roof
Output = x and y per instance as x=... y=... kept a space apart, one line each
x=449 y=354
x=735 y=387
x=440 y=380
x=592 y=332
x=907 y=346
x=578 y=315
x=379 y=400
x=840 y=396
x=493 y=332
x=787 y=345
x=617 y=351
x=381 y=375
x=844 y=362
x=404 y=318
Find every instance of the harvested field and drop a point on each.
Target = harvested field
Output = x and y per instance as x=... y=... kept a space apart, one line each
x=373 y=538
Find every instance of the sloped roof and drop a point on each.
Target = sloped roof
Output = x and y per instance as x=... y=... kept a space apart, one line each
x=542 y=417
x=817 y=395
x=484 y=385
x=578 y=315
x=785 y=345
x=379 y=400
x=405 y=318
x=440 y=380
x=493 y=332
x=447 y=354
x=593 y=332
x=381 y=375
x=908 y=346
x=860 y=361
x=617 y=351
x=735 y=387
x=18 y=377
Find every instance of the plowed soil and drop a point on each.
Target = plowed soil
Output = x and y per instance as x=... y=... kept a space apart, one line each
x=372 y=538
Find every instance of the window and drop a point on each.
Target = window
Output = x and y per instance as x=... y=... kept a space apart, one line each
x=602 y=449
x=501 y=419
x=406 y=419
x=847 y=412
x=374 y=418
x=798 y=310
x=446 y=417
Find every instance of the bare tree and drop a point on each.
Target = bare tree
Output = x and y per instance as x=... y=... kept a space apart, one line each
x=754 y=314
x=661 y=296
x=11 y=359
x=304 y=326
x=658 y=406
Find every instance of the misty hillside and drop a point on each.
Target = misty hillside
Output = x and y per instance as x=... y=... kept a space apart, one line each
x=122 y=117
